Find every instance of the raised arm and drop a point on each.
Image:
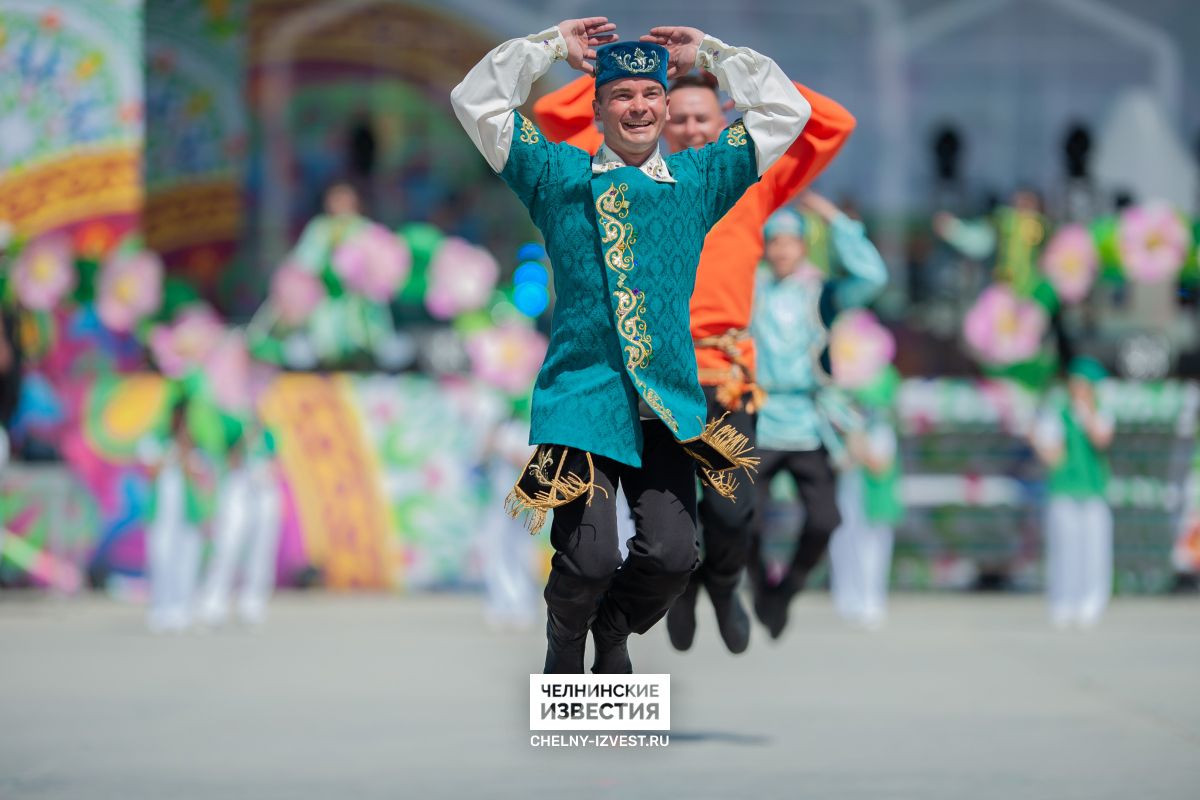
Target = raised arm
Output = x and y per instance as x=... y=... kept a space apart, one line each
x=486 y=99
x=1098 y=424
x=867 y=273
x=975 y=239
x=773 y=109
x=827 y=130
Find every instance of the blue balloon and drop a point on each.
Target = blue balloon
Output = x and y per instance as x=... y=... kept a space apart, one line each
x=531 y=299
x=531 y=251
x=531 y=272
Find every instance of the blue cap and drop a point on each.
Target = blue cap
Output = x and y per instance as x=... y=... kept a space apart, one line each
x=784 y=222
x=631 y=60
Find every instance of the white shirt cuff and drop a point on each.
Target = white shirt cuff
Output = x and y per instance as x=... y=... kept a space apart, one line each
x=553 y=42
x=710 y=52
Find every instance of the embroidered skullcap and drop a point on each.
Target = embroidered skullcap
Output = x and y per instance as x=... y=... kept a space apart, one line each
x=784 y=222
x=631 y=60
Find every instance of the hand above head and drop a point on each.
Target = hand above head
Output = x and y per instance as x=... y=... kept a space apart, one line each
x=943 y=221
x=819 y=205
x=683 y=44
x=583 y=36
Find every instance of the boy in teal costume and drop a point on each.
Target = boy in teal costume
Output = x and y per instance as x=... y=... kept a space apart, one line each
x=798 y=425
x=618 y=401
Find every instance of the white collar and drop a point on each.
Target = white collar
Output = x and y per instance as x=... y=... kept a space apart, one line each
x=654 y=167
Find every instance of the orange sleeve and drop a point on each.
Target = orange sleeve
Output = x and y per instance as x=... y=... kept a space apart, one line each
x=565 y=115
x=724 y=295
x=827 y=130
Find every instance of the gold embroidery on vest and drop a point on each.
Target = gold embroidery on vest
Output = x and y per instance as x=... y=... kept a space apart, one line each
x=736 y=135
x=529 y=132
x=612 y=208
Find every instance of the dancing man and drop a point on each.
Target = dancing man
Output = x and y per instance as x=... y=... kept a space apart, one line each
x=798 y=424
x=617 y=401
x=720 y=308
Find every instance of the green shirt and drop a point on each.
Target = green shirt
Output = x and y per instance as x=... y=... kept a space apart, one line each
x=881 y=491
x=1083 y=470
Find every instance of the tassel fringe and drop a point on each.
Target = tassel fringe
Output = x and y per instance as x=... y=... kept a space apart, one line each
x=723 y=483
x=735 y=395
x=518 y=502
x=721 y=449
x=730 y=444
x=559 y=491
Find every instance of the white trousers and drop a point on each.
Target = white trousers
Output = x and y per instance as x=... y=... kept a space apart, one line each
x=246 y=540
x=172 y=555
x=860 y=557
x=1079 y=559
x=507 y=552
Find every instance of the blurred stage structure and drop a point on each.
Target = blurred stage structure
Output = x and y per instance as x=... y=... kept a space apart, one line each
x=225 y=119
x=209 y=130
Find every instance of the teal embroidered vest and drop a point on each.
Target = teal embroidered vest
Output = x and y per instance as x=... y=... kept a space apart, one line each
x=624 y=250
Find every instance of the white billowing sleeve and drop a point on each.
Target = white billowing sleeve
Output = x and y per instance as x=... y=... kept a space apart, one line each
x=773 y=109
x=485 y=99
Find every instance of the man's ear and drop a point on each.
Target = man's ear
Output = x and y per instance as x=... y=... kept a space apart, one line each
x=596 y=108
x=667 y=107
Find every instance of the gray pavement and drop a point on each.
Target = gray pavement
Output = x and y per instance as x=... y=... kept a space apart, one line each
x=397 y=697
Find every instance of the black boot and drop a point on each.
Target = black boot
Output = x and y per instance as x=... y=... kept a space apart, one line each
x=564 y=653
x=732 y=620
x=771 y=603
x=681 y=618
x=612 y=646
x=780 y=599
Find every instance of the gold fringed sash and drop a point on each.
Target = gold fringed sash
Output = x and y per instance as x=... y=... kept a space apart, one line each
x=721 y=449
x=736 y=382
x=553 y=477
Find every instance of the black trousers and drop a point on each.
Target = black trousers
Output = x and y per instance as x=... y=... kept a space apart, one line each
x=725 y=525
x=588 y=579
x=816 y=482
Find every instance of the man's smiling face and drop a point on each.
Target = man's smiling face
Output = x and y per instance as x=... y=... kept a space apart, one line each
x=632 y=112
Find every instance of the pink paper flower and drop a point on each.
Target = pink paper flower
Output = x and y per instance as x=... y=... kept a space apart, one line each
x=1070 y=261
x=859 y=348
x=187 y=341
x=508 y=356
x=462 y=278
x=45 y=272
x=1003 y=328
x=227 y=368
x=373 y=262
x=130 y=289
x=295 y=293
x=1153 y=242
